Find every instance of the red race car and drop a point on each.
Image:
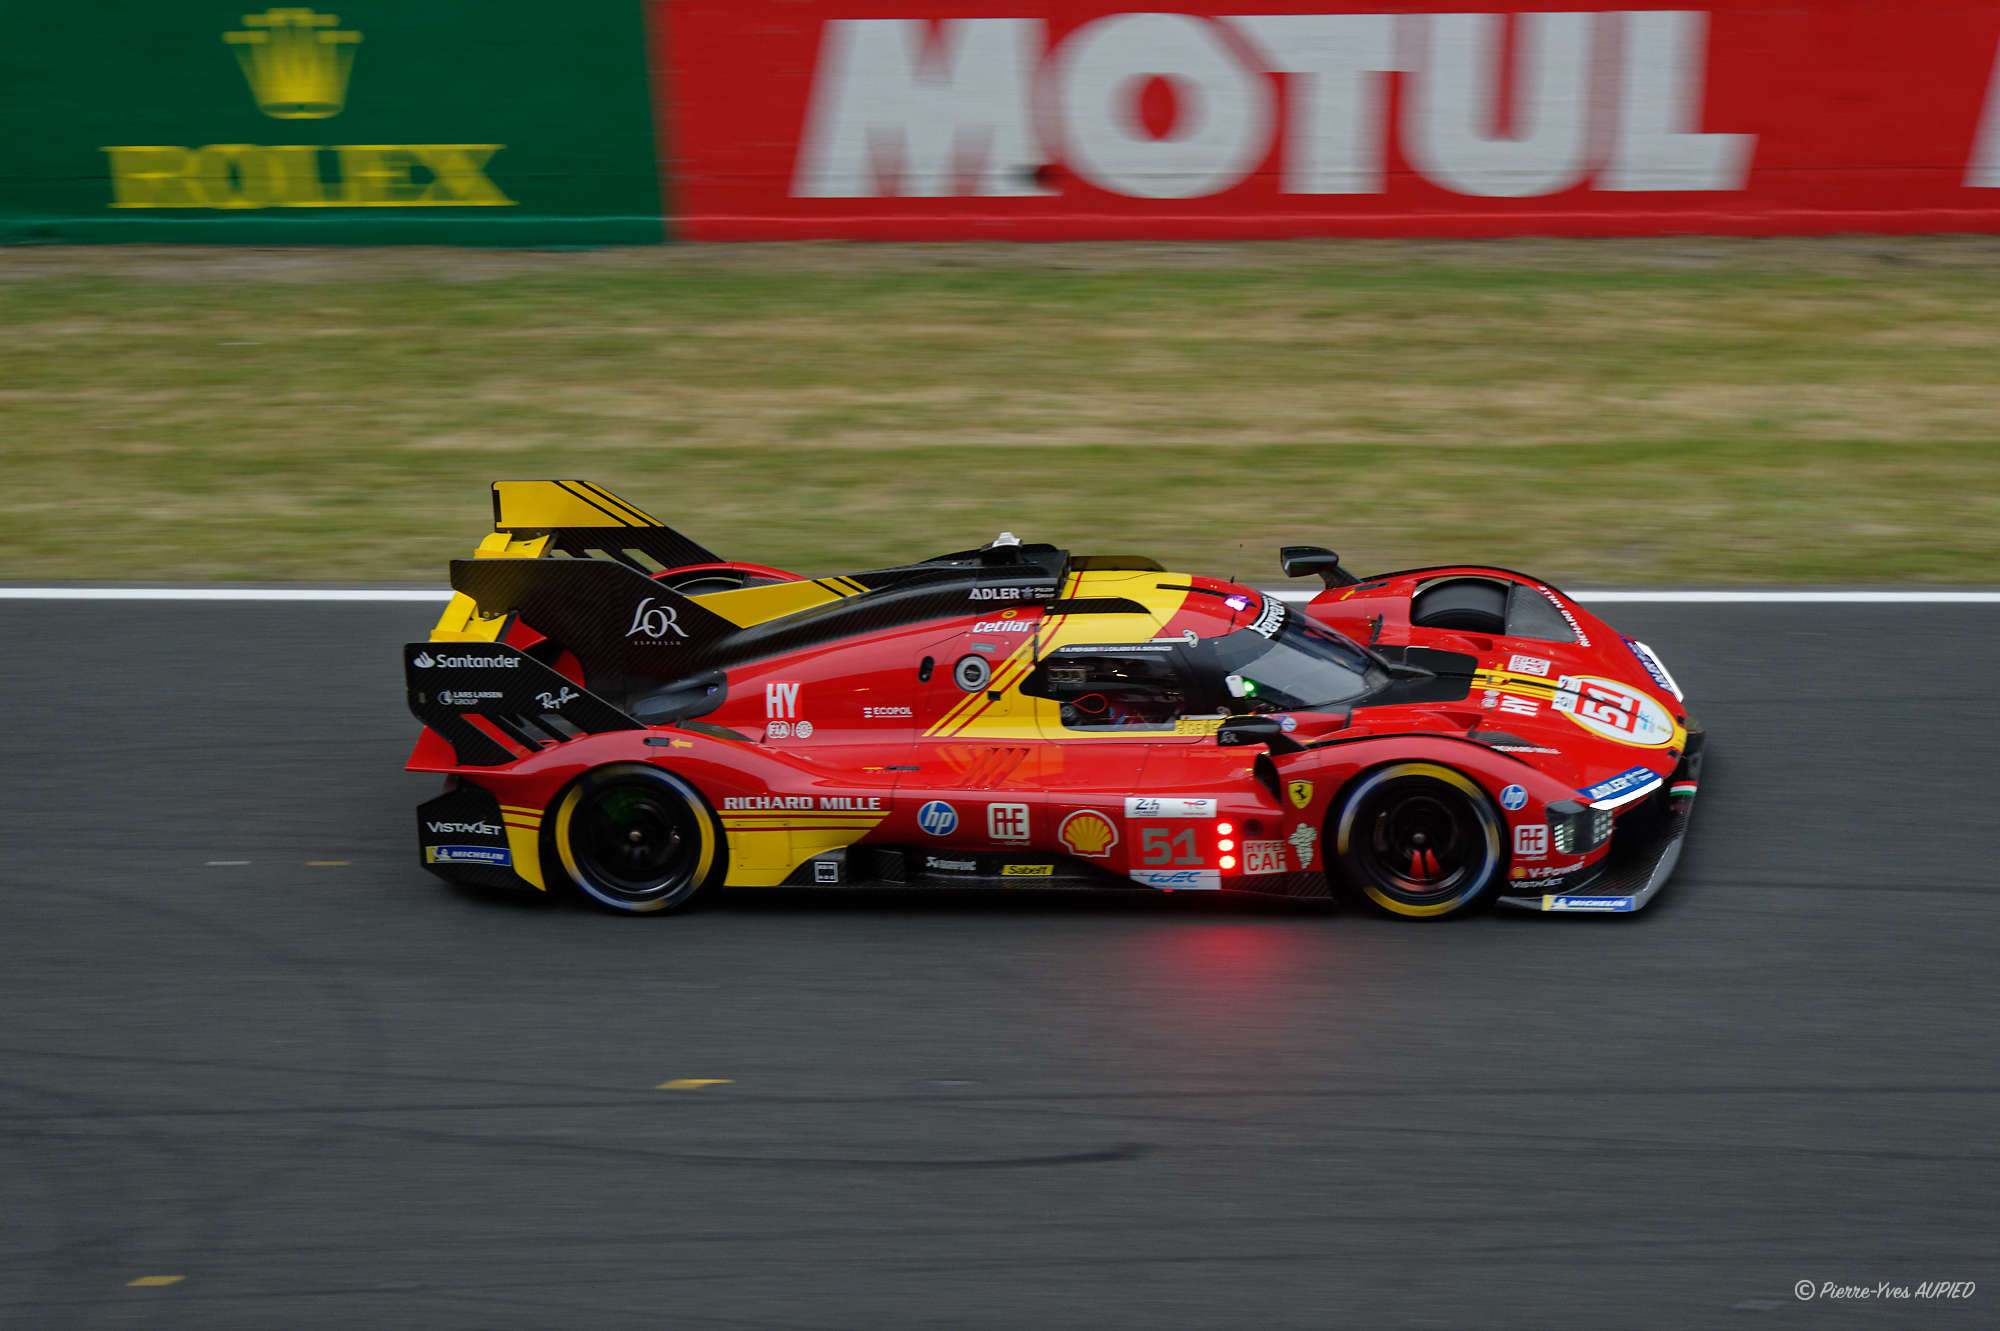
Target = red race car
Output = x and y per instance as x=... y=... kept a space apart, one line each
x=618 y=710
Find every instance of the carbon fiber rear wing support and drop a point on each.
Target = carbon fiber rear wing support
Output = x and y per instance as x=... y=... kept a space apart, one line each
x=494 y=704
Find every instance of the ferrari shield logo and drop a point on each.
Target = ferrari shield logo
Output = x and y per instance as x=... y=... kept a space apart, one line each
x=1301 y=793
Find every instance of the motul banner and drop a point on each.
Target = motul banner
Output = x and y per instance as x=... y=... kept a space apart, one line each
x=1067 y=118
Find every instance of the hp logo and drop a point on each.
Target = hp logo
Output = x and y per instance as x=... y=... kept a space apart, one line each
x=1513 y=797
x=938 y=818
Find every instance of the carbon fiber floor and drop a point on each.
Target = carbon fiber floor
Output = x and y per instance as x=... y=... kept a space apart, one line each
x=250 y=1044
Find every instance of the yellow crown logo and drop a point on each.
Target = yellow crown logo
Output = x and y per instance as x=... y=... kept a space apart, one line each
x=296 y=67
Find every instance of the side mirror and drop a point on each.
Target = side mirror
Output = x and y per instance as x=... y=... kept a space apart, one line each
x=1300 y=560
x=1265 y=730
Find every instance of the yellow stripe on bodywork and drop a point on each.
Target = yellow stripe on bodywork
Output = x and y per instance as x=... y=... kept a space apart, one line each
x=1508 y=681
x=524 y=842
x=1546 y=690
x=764 y=851
x=975 y=707
x=1015 y=715
x=758 y=605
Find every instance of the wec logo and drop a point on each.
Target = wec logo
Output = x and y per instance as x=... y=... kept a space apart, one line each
x=655 y=623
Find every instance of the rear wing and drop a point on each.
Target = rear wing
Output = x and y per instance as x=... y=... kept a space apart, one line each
x=610 y=615
x=586 y=521
x=565 y=519
x=494 y=704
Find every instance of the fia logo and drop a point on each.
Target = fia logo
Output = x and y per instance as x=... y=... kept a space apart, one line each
x=655 y=623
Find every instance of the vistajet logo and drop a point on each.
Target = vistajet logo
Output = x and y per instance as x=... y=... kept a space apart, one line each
x=469 y=829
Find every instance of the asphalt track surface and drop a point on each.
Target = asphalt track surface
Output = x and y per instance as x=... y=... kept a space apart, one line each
x=326 y=1090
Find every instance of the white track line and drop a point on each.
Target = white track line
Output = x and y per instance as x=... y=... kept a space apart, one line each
x=365 y=595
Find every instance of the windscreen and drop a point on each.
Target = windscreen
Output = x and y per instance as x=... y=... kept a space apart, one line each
x=1301 y=666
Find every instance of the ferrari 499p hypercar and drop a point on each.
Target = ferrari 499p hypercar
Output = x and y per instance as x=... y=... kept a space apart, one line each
x=618 y=710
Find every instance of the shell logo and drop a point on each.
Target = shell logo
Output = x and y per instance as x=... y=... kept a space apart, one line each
x=1088 y=833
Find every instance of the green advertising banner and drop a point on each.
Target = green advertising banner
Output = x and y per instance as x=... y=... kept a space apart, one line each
x=426 y=122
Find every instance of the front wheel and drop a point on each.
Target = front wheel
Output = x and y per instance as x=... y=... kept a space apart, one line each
x=636 y=839
x=1420 y=840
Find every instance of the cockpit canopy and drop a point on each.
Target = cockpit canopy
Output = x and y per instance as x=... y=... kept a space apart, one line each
x=1299 y=666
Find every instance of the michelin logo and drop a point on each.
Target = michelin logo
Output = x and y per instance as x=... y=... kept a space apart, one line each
x=466 y=855
x=1612 y=905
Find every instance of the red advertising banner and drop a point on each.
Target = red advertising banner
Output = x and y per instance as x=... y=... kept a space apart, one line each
x=1049 y=119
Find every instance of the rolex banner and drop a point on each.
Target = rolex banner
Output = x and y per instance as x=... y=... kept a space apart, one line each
x=501 y=122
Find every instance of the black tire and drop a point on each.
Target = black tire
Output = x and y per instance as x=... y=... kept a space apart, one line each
x=1420 y=840
x=637 y=840
x=1466 y=605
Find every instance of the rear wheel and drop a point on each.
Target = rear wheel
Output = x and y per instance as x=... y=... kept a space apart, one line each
x=1420 y=840
x=637 y=839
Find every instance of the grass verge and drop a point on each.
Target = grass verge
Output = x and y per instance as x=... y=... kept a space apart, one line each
x=1625 y=412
